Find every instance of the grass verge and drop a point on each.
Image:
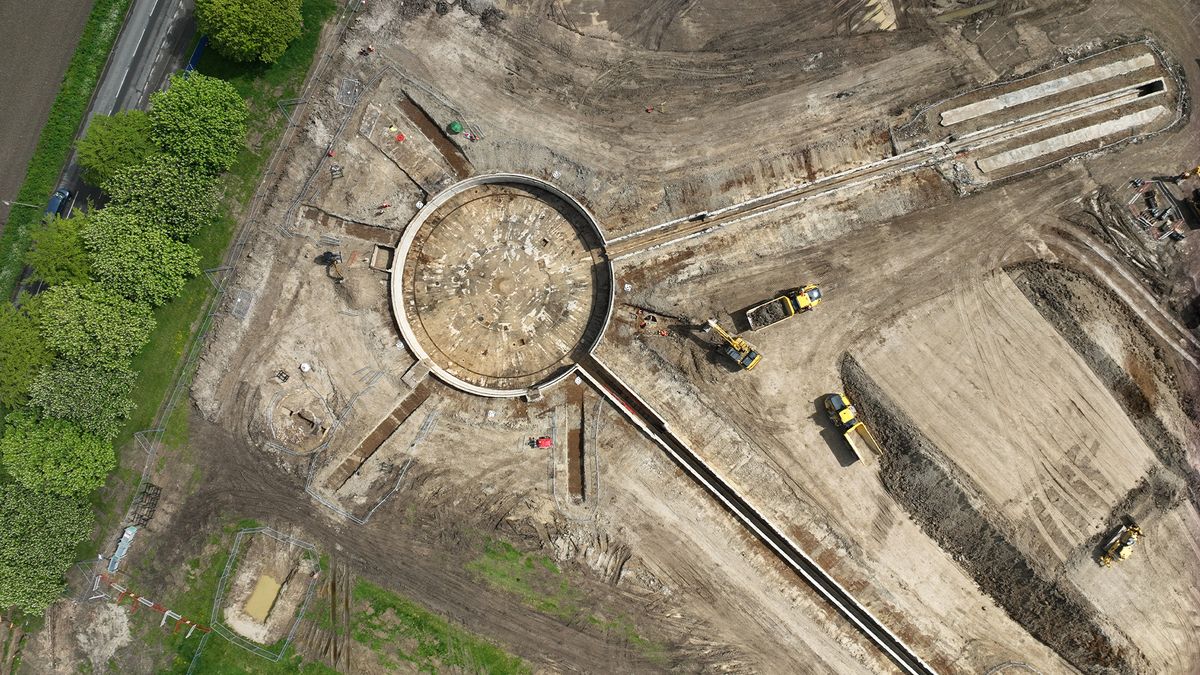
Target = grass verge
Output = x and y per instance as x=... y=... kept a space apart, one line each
x=534 y=578
x=54 y=145
x=542 y=585
x=262 y=86
x=177 y=320
x=399 y=631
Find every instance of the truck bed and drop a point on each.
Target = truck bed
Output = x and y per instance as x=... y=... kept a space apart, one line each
x=771 y=311
x=862 y=442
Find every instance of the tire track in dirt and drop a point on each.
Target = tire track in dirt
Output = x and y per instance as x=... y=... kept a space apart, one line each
x=1087 y=252
x=1046 y=285
x=422 y=561
x=913 y=476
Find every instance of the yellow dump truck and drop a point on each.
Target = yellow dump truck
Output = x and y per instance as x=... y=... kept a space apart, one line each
x=844 y=416
x=783 y=307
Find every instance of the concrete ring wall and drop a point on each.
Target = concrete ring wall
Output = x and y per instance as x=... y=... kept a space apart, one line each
x=410 y=235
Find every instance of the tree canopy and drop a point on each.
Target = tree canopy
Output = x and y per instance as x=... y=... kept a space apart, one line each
x=52 y=455
x=96 y=400
x=250 y=30
x=113 y=142
x=201 y=120
x=22 y=354
x=167 y=194
x=138 y=262
x=89 y=325
x=37 y=545
x=57 y=254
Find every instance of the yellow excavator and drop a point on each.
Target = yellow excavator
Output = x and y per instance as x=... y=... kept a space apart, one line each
x=1120 y=547
x=735 y=347
x=333 y=268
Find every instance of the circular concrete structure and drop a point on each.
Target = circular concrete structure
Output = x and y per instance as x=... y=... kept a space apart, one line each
x=501 y=284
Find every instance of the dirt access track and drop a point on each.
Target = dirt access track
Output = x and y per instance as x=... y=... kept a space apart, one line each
x=1029 y=387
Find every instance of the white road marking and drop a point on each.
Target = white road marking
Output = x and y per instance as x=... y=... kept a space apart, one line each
x=139 y=41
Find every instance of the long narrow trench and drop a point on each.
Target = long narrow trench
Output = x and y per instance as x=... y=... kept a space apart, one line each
x=653 y=425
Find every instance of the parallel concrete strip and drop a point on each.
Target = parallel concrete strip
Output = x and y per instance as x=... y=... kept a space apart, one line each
x=1044 y=89
x=1057 y=116
x=688 y=227
x=1071 y=138
x=653 y=425
x=685 y=228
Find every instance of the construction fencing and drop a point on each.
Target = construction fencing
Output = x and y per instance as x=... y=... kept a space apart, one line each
x=224 y=631
x=150 y=440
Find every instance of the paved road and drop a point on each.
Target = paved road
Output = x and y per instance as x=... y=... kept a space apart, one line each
x=152 y=44
x=36 y=43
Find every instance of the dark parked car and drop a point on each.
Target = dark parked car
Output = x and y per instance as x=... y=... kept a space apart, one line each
x=60 y=201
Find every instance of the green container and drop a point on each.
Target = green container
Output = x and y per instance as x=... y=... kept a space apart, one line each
x=455 y=127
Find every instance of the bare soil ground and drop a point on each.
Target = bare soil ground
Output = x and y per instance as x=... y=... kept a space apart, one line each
x=288 y=566
x=63 y=647
x=947 y=512
x=940 y=538
x=1017 y=411
x=11 y=644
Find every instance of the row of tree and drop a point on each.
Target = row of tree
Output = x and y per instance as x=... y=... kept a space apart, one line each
x=66 y=352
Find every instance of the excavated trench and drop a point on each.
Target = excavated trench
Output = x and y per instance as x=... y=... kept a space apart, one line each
x=1049 y=287
x=916 y=474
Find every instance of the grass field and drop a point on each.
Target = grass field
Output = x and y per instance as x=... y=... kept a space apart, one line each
x=542 y=585
x=399 y=631
x=195 y=602
x=54 y=145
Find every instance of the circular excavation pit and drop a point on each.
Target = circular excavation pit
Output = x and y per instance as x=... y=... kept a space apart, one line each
x=501 y=284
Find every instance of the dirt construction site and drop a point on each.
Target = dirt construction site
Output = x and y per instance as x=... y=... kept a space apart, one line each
x=483 y=305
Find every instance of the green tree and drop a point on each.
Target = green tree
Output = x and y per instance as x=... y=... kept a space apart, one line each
x=96 y=400
x=52 y=455
x=58 y=254
x=250 y=30
x=201 y=120
x=92 y=326
x=113 y=143
x=139 y=262
x=37 y=545
x=23 y=354
x=163 y=191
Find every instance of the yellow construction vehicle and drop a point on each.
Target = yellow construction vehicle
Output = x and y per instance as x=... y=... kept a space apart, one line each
x=783 y=307
x=332 y=262
x=1120 y=547
x=845 y=417
x=736 y=348
x=1188 y=173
